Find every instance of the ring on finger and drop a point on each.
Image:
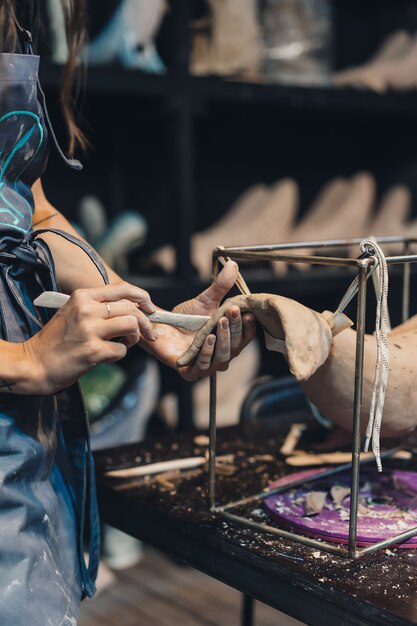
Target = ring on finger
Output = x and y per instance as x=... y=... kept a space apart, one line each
x=108 y=310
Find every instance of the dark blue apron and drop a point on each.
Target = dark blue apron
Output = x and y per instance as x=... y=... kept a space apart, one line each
x=47 y=488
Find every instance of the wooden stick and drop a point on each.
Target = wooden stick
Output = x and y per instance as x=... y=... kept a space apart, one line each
x=240 y=281
x=157 y=468
x=292 y=439
x=334 y=458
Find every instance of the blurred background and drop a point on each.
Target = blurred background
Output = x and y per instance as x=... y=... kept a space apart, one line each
x=238 y=122
x=227 y=122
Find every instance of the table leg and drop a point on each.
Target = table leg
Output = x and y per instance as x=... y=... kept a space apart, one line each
x=248 y=606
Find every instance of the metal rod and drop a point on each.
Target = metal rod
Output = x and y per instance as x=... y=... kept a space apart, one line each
x=406 y=287
x=401 y=258
x=357 y=410
x=272 y=255
x=212 y=427
x=325 y=243
x=286 y=534
x=212 y=442
x=292 y=258
x=397 y=539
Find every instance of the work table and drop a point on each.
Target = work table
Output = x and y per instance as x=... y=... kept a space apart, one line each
x=311 y=585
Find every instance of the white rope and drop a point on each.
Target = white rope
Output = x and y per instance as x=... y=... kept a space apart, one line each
x=382 y=328
x=379 y=387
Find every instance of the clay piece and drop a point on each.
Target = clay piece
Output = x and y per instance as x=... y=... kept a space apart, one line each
x=233 y=46
x=325 y=365
x=314 y=502
x=342 y=211
x=375 y=73
x=262 y=214
x=339 y=493
x=306 y=335
x=331 y=387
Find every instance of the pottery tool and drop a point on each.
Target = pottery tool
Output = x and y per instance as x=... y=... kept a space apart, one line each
x=387 y=505
x=167 y=466
x=56 y=300
x=158 y=468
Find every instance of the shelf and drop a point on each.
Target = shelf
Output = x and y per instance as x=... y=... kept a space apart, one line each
x=113 y=80
x=117 y=81
x=298 y=97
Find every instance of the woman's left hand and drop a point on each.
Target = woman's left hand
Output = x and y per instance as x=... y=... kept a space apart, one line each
x=233 y=333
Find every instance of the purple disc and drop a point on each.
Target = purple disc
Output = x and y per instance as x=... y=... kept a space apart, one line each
x=387 y=506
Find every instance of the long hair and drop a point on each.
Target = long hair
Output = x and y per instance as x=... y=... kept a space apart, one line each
x=75 y=18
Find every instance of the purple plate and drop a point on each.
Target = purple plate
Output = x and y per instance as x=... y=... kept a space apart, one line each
x=387 y=506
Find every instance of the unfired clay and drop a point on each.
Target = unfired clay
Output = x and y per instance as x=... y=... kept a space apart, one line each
x=307 y=335
x=331 y=387
x=325 y=366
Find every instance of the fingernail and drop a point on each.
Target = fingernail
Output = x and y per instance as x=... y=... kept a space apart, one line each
x=210 y=341
x=155 y=336
x=148 y=307
x=225 y=323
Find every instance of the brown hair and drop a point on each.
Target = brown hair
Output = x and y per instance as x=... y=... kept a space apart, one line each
x=75 y=16
x=75 y=13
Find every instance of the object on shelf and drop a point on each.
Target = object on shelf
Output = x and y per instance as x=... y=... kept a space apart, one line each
x=341 y=211
x=344 y=209
x=114 y=241
x=394 y=66
x=297 y=38
x=93 y=219
x=262 y=214
x=230 y=395
x=233 y=45
x=129 y=37
x=393 y=215
x=126 y=232
x=57 y=30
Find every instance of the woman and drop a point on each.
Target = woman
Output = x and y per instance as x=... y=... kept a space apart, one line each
x=46 y=472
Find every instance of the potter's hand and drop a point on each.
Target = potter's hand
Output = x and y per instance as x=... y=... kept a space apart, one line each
x=233 y=331
x=80 y=334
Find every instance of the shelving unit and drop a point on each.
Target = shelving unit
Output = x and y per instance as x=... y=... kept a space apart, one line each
x=181 y=148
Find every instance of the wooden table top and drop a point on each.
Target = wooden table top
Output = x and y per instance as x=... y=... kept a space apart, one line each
x=311 y=585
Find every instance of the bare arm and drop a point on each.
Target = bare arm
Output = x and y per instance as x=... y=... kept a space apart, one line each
x=75 y=270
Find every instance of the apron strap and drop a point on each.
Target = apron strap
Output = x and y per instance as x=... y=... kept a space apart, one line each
x=81 y=244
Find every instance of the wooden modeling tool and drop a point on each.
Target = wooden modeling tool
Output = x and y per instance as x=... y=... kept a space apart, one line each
x=56 y=300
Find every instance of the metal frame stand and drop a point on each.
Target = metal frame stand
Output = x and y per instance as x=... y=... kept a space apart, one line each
x=285 y=253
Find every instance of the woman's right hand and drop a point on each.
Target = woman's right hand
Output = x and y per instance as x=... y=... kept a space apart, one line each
x=82 y=333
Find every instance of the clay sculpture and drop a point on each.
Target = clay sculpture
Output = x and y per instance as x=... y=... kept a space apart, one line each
x=303 y=335
x=325 y=365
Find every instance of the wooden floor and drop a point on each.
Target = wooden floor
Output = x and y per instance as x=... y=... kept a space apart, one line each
x=158 y=592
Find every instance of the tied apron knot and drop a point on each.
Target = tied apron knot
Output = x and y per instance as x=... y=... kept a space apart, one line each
x=16 y=253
